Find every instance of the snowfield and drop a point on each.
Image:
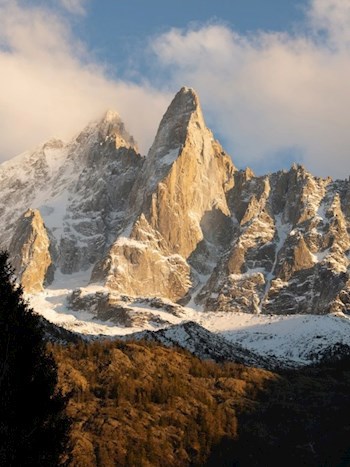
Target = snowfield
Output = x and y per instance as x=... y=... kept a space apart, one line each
x=294 y=340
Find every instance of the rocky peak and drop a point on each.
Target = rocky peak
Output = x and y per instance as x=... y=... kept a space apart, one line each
x=53 y=144
x=80 y=188
x=182 y=139
x=176 y=204
x=174 y=126
x=112 y=127
x=109 y=129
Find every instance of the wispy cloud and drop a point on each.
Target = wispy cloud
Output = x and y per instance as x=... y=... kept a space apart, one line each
x=77 y=7
x=331 y=17
x=272 y=96
x=49 y=86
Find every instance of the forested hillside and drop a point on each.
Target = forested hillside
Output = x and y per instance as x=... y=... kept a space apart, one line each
x=142 y=404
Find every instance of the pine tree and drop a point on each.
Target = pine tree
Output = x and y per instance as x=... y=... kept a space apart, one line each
x=33 y=424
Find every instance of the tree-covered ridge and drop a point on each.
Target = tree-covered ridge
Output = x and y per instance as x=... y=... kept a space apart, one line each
x=140 y=404
x=146 y=405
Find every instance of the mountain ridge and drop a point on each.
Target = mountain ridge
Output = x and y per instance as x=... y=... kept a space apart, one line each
x=181 y=224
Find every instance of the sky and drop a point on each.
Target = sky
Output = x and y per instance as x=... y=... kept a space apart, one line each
x=272 y=76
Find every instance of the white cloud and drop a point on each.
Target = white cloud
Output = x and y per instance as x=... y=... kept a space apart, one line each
x=74 y=6
x=265 y=95
x=332 y=17
x=48 y=86
x=270 y=94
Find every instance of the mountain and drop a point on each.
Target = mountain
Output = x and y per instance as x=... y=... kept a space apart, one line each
x=98 y=233
x=183 y=184
x=79 y=189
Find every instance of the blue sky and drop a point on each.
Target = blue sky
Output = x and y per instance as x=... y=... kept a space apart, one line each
x=272 y=75
x=115 y=29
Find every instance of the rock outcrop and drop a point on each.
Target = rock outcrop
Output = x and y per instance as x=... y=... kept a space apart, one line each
x=30 y=252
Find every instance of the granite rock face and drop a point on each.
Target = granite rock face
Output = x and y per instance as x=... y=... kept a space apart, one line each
x=178 y=200
x=181 y=224
x=30 y=252
x=290 y=246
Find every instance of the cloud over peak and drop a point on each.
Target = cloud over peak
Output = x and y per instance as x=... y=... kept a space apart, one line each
x=51 y=87
x=273 y=97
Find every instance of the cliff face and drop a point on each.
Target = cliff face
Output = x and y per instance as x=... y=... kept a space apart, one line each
x=182 y=224
x=30 y=252
x=290 y=246
x=179 y=194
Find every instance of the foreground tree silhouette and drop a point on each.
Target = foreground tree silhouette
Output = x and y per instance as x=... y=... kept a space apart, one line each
x=33 y=424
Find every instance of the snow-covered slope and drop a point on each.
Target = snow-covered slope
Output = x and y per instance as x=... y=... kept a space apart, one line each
x=255 y=339
x=205 y=344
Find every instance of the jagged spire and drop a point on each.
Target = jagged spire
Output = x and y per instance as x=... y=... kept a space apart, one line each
x=173 y=127
x=112 y=126
x=109 y=127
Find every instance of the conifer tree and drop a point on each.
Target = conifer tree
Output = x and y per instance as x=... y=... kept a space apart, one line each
x=33 y=424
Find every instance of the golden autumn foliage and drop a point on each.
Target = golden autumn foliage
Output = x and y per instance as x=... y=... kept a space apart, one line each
x=146 y=405
x=141 y=404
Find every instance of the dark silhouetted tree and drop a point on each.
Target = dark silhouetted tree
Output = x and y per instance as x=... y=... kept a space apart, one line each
x=33 y=424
